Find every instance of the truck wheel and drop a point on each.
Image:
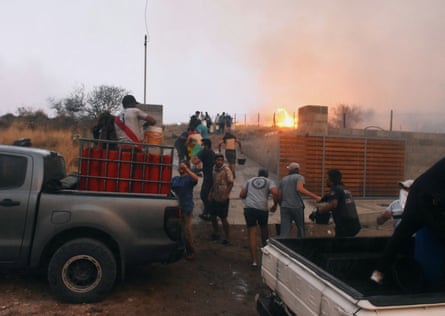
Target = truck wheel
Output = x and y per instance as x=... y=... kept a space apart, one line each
x=82 y=271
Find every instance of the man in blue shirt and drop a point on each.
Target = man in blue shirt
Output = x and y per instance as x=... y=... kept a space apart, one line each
x=183 y=186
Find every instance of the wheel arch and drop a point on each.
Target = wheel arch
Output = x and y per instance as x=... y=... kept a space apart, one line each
x=75 y=233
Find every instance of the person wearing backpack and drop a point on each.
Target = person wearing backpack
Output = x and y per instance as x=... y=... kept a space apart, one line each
x=339 y=201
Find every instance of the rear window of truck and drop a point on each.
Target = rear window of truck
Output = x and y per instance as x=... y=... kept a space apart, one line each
x=12 y=171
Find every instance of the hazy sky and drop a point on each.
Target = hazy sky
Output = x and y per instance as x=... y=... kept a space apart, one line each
x=237 y=56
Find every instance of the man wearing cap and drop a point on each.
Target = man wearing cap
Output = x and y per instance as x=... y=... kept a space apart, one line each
x=291 y=203
x=395 y=209
x=129 y=129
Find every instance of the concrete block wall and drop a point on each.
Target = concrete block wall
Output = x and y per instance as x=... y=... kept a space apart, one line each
x=263 y=147
x=313 y=119
x=421 y=150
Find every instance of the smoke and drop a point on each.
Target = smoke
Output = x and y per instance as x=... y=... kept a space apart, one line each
x=379 y=54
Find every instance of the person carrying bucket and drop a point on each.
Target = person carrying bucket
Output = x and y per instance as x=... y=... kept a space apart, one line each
x=129 y=123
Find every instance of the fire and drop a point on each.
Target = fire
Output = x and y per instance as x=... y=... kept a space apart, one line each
x=283 y=119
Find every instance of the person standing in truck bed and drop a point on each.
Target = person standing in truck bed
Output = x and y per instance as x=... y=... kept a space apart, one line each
x=129 y=123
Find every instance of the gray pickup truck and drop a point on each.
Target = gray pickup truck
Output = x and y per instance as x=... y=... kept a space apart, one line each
x=84 y=239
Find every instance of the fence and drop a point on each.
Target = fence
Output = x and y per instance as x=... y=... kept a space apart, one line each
x=370 y=167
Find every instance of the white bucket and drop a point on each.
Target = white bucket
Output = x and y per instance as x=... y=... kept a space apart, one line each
x=153 y=135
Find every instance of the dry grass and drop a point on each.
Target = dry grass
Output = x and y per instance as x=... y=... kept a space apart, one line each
x=61 y=141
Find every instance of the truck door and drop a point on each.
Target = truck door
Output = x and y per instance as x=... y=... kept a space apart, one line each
x=15 y=189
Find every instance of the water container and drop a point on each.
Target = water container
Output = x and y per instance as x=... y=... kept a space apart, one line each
x=153 y=135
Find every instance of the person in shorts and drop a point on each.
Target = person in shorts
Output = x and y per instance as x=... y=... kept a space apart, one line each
x=230 y=141
x=222 y=184
x=183 y=185
x=256 y=191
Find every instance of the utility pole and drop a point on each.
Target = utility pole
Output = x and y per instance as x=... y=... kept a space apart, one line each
x=145 y=70
x=390 y=122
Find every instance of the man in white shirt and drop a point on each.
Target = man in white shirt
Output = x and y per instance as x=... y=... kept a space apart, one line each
x=395 y=209
x=133 y=118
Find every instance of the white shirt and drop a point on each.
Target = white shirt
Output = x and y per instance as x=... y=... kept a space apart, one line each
x=134 y=119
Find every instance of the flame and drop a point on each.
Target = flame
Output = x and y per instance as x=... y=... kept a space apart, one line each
x=283 y=119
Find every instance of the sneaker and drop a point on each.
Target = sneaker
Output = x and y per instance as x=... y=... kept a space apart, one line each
x=190 y=256
x=254 y=266
x=377 y=277
x=214 y=237
x=204 y=217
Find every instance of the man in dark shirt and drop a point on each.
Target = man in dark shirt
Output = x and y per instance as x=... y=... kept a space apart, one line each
x=181 y=146
x=425 y=207
x=207 y=157
x=339 y=201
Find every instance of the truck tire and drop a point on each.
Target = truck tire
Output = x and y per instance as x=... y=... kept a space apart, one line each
x=82 y=271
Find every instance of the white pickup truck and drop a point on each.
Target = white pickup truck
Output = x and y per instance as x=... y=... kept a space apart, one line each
x=330 y=276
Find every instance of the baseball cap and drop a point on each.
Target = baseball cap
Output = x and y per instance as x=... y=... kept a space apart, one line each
x=129 y=100
x=406 y=184
x=293 y=166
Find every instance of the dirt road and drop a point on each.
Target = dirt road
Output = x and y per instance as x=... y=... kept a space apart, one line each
x=218 y=282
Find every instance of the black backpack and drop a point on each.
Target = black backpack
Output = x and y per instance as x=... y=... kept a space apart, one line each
x=105 y=129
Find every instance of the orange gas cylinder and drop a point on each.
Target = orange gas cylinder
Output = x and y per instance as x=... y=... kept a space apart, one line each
x=94 y=169
x=154 y=175
x=124 y=172
x=84 y=161
x=166 y=175
x=109 y=170
x=138 y=169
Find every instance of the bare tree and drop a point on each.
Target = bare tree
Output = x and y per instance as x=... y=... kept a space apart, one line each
x=32 y=118
x=346 y=116
x=104 y=99
x=72 y=106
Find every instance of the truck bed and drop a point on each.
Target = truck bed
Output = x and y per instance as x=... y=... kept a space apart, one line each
x=302 y=269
